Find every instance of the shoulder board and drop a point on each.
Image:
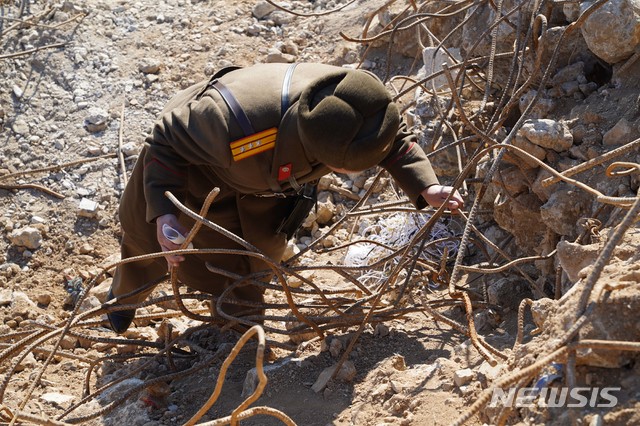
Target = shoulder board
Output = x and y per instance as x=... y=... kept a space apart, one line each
x=254 y=144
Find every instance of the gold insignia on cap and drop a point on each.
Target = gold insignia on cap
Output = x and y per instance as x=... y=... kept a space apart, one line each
x=254 y=144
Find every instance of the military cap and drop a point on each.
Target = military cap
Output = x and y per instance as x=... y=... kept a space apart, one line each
x=347 y=120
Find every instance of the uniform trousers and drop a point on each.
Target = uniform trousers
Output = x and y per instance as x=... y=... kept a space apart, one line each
x=255 y=219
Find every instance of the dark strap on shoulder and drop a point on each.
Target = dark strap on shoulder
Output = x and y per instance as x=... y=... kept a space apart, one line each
x=286 y=85
x=234 y=107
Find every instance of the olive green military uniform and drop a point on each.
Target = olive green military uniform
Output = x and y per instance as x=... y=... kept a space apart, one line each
x=197 y=145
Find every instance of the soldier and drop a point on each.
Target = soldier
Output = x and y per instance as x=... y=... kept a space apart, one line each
x=259 y=134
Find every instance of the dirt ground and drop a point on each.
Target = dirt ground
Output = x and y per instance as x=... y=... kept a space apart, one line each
x=103 y=72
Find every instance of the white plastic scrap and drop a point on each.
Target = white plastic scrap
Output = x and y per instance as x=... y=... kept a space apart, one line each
x=395 y=231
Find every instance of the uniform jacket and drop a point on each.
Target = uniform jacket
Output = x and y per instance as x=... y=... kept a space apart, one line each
x=194 y=134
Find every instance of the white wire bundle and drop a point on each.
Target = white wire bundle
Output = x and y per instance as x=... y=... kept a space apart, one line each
x=394 y=231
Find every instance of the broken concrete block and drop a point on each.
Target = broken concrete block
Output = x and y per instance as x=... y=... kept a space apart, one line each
x=547 y=133
x=28 y=237
x=463 y=377
x=56 y=398
x=575 y=257
x=346 y=374
x=87 y=208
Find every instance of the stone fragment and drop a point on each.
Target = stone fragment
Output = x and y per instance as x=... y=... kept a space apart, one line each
x=171 y=327
x=28 y=363
x=17 y=91
x=563 y=209
x=44 y=299
x=20 y=127
x=296 y=282
x=521 y=217
x=149 y=66
x=575 y=257
x=90 y=302
x=28 y=237
x=96 y=120
x=326 y=181
x=463 y=377
x=6 y=295
x=326 y=208
x=488 y=371
x=56 y=398
x=69 y=342
x=346 y=374
x=276 y=56
x=290 y=251
x=568 y=73
x=404 y=43
x=335 y=347
x=543 y=106
x=280 y=18
x=537 y=188
x=434 y=64
x=131 y=148
x=262 y=8
x=511 y=179
x=547 y=133
x=381 y=330
x=87 y=208
x=522 y=160
x=500 y=290
x=251 y=379
x=619 y=134
x=110 y=260
x=86 y=248
x=612 y=31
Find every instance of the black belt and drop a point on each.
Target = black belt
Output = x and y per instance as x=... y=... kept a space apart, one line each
x=234 y=107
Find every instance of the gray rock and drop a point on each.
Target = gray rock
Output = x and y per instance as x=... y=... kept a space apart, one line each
x=619 y=134
x=612 y=32
x=346 y=374
x=575 y=257
x=149 y=66
x=335 y=347
x=521 y=217
x=21 y=305
x=326 y=208
x=290 y=251
x=280 y=17
x=20 y=127
x=44 y=299
x=131 y=148
x=262 y=9
x=28 y=237
x=276 y=56
x=463 y=377
x=6 y=295
x=547 y=133
x=56 y=398
x=28 y=363
x=434 y=64
x=96 y=120
x=520 y=159
x=90 y=302
x=17 y=91
x=564 y=208
x=568 y=73
x=501 y=290
x=100 y=291
x=542 y=107
x=87 y=208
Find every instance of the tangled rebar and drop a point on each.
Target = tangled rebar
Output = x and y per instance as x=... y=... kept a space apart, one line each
x=315 y=309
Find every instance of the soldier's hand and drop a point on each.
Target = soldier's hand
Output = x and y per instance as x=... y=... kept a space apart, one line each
x=165 y=244
x=436 y=194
